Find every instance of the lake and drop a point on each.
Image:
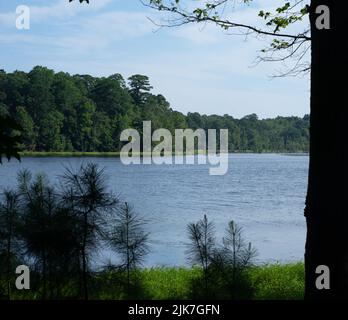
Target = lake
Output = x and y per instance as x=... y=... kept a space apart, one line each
x=263 y=193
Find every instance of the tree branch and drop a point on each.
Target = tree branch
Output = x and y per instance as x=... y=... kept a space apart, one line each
x=187 y=18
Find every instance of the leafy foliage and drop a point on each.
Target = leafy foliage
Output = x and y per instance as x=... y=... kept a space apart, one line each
x=58 y=112
x=9 y=139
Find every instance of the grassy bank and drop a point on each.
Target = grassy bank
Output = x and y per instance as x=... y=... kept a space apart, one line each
x=278 y=281
x=268 y=282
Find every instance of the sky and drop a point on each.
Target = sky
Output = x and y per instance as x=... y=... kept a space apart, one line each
x=198 y=68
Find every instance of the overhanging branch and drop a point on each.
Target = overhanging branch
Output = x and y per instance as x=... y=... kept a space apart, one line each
x=186 y=18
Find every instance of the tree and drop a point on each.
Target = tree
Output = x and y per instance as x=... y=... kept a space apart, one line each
x=202 y=246
x=49 y=233
x=9 y=141
x=29 y=135
x=38 y=204
x=103 y=132
x=139 y=88
x=15 y=89
x=233 y=259
x=52 y=230
x=67 y=99
x=9 y=237
x=224 y=266
x=50 y=137
x=40 y=96
x=326 y=209
x=326 y=212
x=111 y=97
x=84 y=113
x=129 y=239
x=84 y=136
x=87 y=196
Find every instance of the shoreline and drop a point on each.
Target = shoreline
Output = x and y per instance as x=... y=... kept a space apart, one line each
x=116 y=154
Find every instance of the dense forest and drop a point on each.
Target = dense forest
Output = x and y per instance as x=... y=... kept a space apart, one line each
x=60 y=112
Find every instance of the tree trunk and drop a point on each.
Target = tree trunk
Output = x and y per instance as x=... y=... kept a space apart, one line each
x=326 y=208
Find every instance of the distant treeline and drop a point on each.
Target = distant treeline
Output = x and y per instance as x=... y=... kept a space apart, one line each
x=60 y=112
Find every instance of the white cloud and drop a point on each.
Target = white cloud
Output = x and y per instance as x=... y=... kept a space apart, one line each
x=82 y=32
x=7 y=19
x=119 y=24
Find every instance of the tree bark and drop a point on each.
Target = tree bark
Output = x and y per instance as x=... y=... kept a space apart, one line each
x=326 y=207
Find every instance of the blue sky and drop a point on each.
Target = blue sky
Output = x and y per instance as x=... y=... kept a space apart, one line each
x=197 y=68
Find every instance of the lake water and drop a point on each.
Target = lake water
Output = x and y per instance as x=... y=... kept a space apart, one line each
x=263 y=193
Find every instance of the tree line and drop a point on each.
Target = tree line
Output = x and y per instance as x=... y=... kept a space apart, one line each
x=63 y=112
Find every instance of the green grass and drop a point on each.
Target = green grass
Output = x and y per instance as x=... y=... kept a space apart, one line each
x=276 y=281
x=169 y=283
x=269 y=282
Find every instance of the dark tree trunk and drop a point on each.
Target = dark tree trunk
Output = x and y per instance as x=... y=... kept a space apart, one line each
x=326 y=207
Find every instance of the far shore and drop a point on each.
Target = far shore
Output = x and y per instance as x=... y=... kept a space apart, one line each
x=116 y=154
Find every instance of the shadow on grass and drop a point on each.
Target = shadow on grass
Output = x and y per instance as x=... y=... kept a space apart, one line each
x=114 y=286
x=222 y=285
